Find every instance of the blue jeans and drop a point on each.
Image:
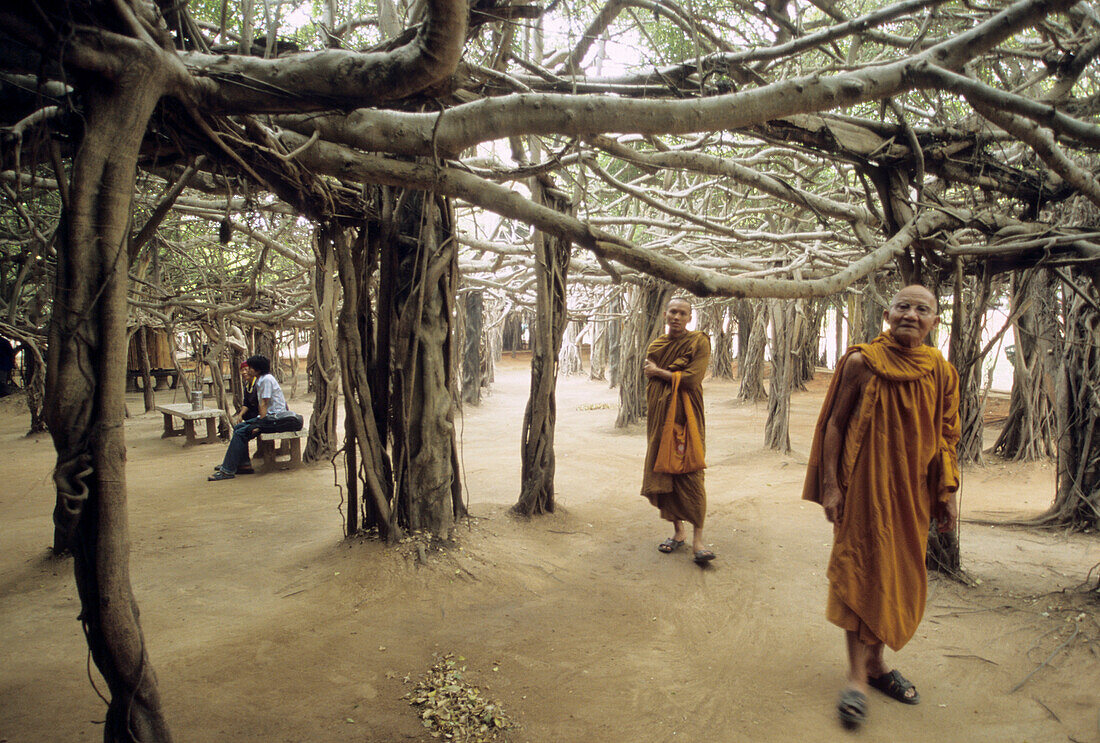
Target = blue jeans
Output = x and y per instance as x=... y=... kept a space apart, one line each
x=237 y=453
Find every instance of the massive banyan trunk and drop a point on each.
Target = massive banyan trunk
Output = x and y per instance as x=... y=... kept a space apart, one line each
x=642 y=325
x=474 y=316
x=1077 y=502
x=785 y=332
x=1029 y=431
x=418 y=290
x=366 y=459
x=85 y=386
x=551 y=273
x=751 y=360
x=324 y=366
x=397 y=367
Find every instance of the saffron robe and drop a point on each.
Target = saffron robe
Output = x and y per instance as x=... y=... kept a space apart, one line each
x=897 y=459
x=679 y=497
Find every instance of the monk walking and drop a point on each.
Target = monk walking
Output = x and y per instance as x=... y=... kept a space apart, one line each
x=673 y=478
x=883 y=464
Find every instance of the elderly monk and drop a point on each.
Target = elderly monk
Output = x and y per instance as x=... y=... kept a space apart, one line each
x=883 y=464
x=680 y=356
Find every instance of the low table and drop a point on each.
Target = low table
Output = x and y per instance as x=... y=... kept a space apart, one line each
x=183 y=411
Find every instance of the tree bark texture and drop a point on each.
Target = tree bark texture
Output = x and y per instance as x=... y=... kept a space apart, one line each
x=537 y=473
x=614 y=341
x=721 y=332
x=965 y=353
x=743 y=311
x=324 y=366
x=597 y=358
x=474 y=313
x=809 y=341
x=85 y=387
x=513 y=332
x=643 y=324
x=1029 y=430
x=147 y=386
x=364 y=444
x=569 y=358
x=427 y=489
x=777 y=434
x=751 y=361
x=1077 y=502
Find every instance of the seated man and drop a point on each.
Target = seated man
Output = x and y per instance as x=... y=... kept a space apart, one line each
x=272 y=413
x=250 y=408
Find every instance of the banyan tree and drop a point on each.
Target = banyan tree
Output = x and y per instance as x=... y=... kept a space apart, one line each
x=783 y=151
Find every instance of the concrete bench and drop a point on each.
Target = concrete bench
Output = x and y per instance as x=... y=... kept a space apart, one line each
x=184 y=412
x=271 y=447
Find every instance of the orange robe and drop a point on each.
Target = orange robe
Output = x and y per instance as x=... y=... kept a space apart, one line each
x=898 y=457
x=679 y=497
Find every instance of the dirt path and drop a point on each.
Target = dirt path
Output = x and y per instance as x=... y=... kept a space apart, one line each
x=265 y=625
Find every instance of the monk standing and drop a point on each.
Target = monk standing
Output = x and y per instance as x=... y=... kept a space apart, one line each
x=677 y=360
x=883 y=464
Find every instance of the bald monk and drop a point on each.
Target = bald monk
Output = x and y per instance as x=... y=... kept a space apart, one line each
x=883 y=463
x=680 y=354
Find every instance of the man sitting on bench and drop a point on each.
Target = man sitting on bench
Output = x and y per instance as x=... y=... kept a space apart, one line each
x=273 y=416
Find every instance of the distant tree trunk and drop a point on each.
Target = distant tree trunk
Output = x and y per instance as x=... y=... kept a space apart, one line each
x=552 y=265
x=856 y=326
x=745 y=314
x=721 y=333
x=809 y=341
x=513 y=332
x=597 y=359
x=1029 y=431
x=751 y=360
x=966 y=354
x=324 y=369
x=642 y=326
x=148 y=386
x=85 y=393
x=473 y=313
x=491 y=352
x=173 y=350
x=784 y=358
x=1077 y=502
x=266 y=345
x=872 y=308
x=841 y=347
x=569 y=358
x=34 y=385
x=615 y=341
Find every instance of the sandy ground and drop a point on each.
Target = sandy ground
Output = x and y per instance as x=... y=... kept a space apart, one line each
x=265 y=624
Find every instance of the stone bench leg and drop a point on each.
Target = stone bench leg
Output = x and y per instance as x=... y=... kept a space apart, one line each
x=211 y=431
x=189 y=431
x=266 y=450
x=169 y=429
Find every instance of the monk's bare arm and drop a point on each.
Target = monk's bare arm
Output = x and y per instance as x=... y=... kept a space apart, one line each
x=651 y=370
x=853 y=376
x=945 y=509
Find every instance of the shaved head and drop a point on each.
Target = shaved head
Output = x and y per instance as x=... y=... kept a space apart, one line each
x=920 y=290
